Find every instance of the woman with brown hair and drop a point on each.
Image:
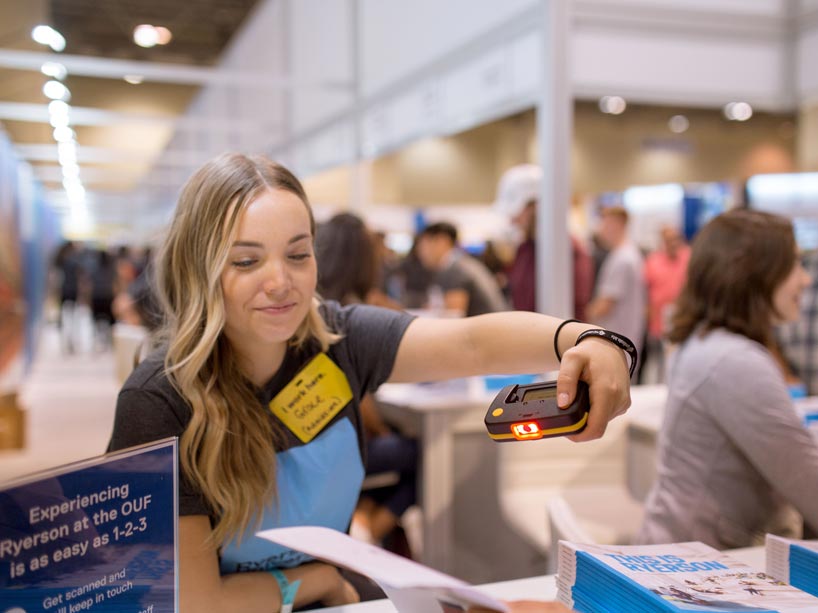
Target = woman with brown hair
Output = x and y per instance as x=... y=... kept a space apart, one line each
x=262 y=383
x=339 y=241
x=735 y=460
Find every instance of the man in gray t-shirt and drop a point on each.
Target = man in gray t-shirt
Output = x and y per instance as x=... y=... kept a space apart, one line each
x=468 y=286
x=619 y=300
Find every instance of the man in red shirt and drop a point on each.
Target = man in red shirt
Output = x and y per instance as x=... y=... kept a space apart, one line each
x=517 y=196
x=665 y=276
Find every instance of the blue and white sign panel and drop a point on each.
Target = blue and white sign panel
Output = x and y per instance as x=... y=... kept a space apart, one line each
x=98 y=536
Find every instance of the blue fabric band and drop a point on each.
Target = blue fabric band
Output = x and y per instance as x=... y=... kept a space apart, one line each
x=288 y=590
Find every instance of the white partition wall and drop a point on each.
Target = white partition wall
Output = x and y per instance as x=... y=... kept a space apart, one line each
x=807 y=84
x=430 y=68
x=659 y=66
x=554 y=131
x=361 y=78
x=425 y=69
x=808 y=64
x=808 y=139
x=245 y=117
x=402 y=38
x=255 y=113
x=320 y=48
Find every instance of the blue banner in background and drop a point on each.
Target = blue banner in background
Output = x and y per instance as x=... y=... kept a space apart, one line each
x=96 y=536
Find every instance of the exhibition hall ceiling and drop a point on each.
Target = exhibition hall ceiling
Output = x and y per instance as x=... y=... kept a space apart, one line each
x=119 y=127
x=125 y=146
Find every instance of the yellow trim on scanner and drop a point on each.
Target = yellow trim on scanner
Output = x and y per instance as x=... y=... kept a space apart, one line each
x=549 y=432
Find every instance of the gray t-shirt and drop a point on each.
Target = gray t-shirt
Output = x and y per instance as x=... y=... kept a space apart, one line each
x=466 y=273
x=733 y=452
x=149 y=408
x=621 y=279
x=318 y=482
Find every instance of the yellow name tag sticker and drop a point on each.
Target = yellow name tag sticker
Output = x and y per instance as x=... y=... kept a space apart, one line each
x=315 y=395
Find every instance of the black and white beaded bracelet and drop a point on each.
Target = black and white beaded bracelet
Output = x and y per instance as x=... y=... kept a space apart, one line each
x=621 y=341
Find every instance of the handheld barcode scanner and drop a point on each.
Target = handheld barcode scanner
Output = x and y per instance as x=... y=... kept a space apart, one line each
x=530 y=412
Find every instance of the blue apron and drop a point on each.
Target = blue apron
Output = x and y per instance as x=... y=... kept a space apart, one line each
x=317 y=485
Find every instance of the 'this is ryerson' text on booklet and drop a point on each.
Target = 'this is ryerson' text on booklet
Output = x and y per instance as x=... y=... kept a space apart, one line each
x=677 y=577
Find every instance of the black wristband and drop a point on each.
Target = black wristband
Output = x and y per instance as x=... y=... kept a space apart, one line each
x=557 y=337
x=623 y=342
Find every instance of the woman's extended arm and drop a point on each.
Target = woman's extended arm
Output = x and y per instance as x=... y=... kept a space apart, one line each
x=203 y=590
x=518 y=342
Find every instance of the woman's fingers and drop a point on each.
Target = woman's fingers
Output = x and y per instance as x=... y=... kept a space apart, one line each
x=604 y=368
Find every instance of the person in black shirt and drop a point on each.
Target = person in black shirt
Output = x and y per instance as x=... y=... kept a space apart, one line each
x=262 y=382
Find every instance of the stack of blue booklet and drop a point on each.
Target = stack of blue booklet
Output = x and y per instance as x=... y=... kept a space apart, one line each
x=669 y=578
x=795 y=562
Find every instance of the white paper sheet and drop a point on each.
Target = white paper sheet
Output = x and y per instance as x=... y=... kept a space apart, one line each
x=409 y=585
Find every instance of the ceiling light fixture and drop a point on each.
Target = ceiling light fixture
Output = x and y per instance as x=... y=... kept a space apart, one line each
x=71 y=182
x=59 y=121
x=63 y=134
x=58 y=107
x=612 y=105
x=46 y=35
x=67 y=153
x=163 y=35
x=738 y=111
x=79 y=224
x=133 y=79
x=56 y=91
x=55 y=70
x=75 y=191
x=70 y=170
x=678 y=124
x=145 y=35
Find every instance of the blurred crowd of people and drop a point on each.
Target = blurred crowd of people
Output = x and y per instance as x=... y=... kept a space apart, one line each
x=438 y=276
x=616 y=285
x=109 y=284
x=731 y=434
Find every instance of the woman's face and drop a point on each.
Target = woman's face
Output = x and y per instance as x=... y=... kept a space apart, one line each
x=270 y=276
x=787 y=296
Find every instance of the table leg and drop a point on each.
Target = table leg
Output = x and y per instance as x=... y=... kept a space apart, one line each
x=437 y=490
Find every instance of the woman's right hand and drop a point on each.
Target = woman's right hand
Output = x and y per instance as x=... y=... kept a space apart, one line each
x=604 y=367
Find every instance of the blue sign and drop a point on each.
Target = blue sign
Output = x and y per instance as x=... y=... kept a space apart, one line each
x=96 y=536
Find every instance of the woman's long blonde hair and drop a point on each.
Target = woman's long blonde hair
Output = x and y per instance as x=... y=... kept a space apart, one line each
x=228 y=449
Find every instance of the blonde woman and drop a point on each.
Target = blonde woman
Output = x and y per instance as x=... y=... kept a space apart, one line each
x=261 y=381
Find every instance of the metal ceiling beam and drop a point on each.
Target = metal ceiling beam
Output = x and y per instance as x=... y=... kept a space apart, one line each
x=88 y=116
x=106 y=199
x=160 y=72
x=85 y=155
x=106 y=155
x=52 y=173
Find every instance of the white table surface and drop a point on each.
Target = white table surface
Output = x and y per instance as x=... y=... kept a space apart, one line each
x=753 y=556
x=533 y=588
